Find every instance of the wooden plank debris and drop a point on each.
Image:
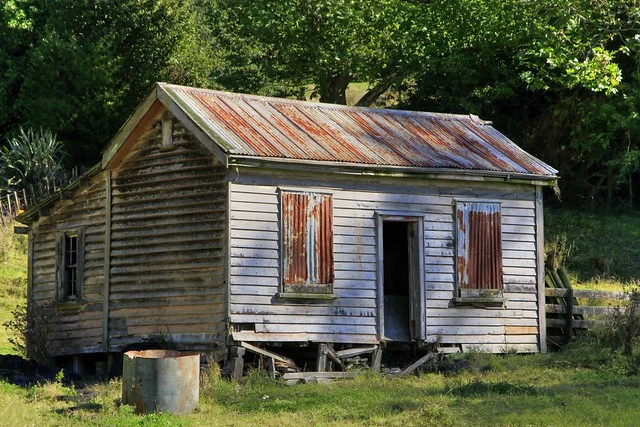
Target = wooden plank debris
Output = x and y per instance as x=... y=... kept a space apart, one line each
x=284 y=360
x=415 y=365
x=352 y=352
x=306 y=377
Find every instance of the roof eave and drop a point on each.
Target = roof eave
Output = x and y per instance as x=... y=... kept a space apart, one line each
x=392 y=171
x=110 y=153
x=34 y=213
x=160 y=97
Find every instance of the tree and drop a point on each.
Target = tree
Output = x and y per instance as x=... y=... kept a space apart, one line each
x=325 y=45
x=558 y=77
x=84 y=66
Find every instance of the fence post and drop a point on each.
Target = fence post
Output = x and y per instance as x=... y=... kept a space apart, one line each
x=569 y=326
x=9 y=205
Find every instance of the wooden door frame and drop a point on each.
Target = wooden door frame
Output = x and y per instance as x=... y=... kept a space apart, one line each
x=416 y=262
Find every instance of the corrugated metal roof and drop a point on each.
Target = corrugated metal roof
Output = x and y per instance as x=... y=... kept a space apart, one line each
x=280 y=128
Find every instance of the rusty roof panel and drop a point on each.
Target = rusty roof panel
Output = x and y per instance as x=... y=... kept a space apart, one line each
x=281 y=128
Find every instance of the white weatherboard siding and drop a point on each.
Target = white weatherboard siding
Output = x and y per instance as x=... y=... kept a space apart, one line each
x=352 y=316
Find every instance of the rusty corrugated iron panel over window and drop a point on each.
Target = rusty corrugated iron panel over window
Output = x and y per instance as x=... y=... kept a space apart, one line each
x=264 y=127
x=307 y=238
x=479 y=245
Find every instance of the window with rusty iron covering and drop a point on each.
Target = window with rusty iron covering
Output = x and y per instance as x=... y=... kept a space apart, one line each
x=70 y=257
x=307 y=242
x=478 y=248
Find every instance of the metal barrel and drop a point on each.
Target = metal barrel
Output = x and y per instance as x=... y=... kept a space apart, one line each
x=161 y=381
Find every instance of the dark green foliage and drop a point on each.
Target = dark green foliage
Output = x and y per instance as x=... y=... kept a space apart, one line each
x=601 y=245
x=559 y=77
x=32 y=162
x=80 y=68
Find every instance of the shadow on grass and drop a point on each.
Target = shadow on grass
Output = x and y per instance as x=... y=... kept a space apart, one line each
x=479 y=388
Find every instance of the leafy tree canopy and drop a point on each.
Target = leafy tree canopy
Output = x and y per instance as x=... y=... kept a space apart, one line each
x=560 y=77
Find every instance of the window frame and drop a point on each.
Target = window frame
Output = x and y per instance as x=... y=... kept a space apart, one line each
x=309 y=288
x=481 y=293
x=64 y=266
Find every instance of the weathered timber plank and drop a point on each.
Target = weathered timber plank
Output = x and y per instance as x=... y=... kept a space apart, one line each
x=357 y=338
x=471 y=321
x=582 y=293
x=303 y=319
x=314 y=376
x=587 y=310
x=521 y=330
x=415 y=365
x=352 y=352
x=279 y=358
x=336 y=329
x=238 y=311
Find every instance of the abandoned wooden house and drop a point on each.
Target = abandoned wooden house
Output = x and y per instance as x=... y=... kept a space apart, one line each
x=217 y=218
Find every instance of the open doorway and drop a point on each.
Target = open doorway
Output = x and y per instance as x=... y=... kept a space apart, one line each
x=401 y=280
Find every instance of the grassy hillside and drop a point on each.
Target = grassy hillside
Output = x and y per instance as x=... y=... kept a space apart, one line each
x=601 y=250
x=13 y=277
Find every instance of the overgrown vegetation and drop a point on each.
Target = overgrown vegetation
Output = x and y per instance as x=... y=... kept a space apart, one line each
x=599 y=248
x=491 y=390
x=29 y=329
x=31 y=164
x=13 y=278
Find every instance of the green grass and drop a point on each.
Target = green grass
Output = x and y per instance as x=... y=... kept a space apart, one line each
x=496 y=390
x=604 y=248
x=13 y=278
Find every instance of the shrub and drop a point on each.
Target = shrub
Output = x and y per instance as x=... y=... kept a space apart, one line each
x=30 y=328
x=32 y=162
x=615 y=344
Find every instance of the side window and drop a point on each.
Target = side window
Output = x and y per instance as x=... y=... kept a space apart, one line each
x=69 y=265
x=478 y=246
x=307 y=242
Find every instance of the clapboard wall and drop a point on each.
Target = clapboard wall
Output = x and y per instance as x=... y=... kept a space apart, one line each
x=352 y=317
x=168 y=240
x=73 y=328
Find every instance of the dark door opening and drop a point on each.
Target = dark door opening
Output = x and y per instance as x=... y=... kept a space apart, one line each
x=396 y=251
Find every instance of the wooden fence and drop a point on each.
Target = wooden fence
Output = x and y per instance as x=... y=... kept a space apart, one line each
x=11 y=203
x=570 y=311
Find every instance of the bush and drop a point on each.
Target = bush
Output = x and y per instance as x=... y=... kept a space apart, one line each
x=32 y=162
x=30 y=328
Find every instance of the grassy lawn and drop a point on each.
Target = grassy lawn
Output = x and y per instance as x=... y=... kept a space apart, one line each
x=493 y=390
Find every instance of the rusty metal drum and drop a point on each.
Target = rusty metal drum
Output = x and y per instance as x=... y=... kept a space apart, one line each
x=161 y=381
